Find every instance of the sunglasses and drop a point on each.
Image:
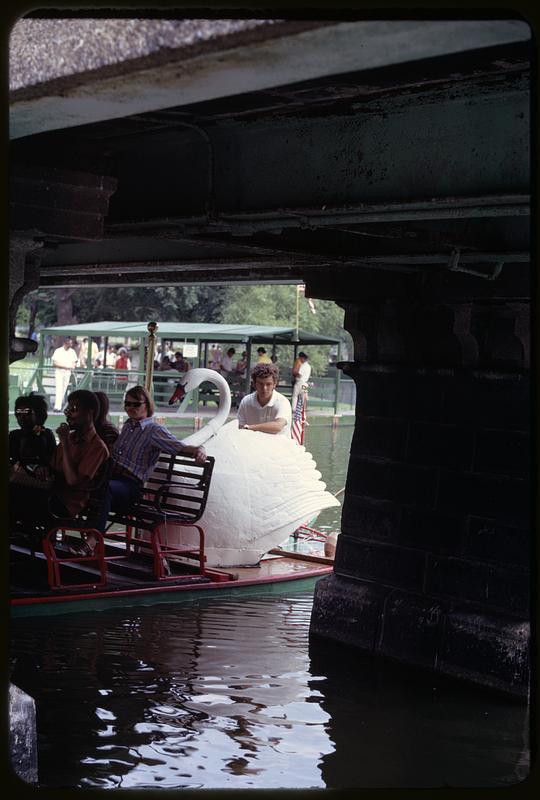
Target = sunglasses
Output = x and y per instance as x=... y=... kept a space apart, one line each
x=19 y=412
x=129 y=404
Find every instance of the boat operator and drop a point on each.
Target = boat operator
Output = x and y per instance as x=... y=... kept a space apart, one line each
x=265 y=409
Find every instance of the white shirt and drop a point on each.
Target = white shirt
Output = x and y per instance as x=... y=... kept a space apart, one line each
x=251 y=412
x=226 y=363
x=304 y=371
x=64 y=358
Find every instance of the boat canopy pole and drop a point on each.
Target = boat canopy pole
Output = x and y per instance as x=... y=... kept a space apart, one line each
x=338 y=378
x=247 y=385
x=41 y=361
x=148 y=383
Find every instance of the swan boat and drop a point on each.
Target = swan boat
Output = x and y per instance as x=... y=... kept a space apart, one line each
x=244 y=556
x=264 y=487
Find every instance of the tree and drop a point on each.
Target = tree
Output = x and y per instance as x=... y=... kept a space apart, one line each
x=257 y=305
x=44 y=308
x=276 y=305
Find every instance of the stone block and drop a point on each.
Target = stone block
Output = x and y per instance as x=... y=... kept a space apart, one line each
x=487 y=540
x=369 y=518
x=480 y=583
x=380 y=437
x=497 y=402
x=430 y=531
x=411 y=629
x=503 y=452
x=477 y=494
x=347 y=611
x=457 y=578
x=490 y=649
x=384 y=563
x=426 y=396
x=383 y=394
x=401 y=483
x=440 y=445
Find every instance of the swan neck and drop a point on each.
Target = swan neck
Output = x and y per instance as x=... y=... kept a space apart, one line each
x=211 y=428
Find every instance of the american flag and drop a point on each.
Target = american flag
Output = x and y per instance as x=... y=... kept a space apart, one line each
x=298 y=423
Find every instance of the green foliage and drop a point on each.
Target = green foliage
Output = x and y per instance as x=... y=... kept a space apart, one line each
x=257 y=305
x=276 y=305
x=186 y=304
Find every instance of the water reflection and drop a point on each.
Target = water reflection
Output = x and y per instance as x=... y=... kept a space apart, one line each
x=213 y=694
x=395 y=727
x=228 y=694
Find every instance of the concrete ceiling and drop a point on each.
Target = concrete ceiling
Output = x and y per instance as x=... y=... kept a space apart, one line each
x=370 y=145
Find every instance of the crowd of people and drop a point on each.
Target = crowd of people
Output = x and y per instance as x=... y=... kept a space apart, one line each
x=52 y=477
x=70 y=355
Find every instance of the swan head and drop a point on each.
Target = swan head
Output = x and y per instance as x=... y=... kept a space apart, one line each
x=194 y=378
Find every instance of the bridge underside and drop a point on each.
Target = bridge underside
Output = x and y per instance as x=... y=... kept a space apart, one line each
x=401 y=191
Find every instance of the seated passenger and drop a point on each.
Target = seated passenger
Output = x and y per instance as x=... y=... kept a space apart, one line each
x=74 y=463
x=104 y=427
x=137 y=450
x=180 y=363
x=265 y=409
x=32 y=444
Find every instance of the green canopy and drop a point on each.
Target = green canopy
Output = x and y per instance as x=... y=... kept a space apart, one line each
x=202 y=334
x=197 y=331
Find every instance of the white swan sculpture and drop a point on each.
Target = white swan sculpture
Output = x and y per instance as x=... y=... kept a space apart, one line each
x=263 y=486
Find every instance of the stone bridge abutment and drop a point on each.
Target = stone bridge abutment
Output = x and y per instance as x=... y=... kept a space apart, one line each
x=432 y=565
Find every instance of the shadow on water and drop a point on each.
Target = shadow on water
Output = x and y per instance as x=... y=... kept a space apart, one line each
x=394 y=726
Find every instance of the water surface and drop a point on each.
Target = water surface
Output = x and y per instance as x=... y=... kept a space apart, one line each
x=230 y=694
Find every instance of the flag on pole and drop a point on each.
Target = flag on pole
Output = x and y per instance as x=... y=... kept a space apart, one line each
x=298 y=423
x=302 y=289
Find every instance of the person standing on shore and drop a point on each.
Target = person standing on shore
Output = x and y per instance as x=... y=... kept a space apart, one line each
x=301 y=374
x=64 y=360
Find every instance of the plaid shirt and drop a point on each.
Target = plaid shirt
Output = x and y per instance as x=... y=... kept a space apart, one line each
x=139 y=445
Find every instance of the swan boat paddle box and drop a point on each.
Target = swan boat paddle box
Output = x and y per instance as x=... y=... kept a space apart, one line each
x=131 y=581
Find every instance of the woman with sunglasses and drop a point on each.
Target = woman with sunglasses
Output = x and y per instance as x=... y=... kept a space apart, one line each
x=136 y=451
x=32 y=444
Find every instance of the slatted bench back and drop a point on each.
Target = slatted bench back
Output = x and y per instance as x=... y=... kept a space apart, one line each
x=179 y=485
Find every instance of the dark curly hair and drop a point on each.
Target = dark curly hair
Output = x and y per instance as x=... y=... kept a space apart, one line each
x=37 y=403
x=102 y=417
x=86 y=399
x=264 y=371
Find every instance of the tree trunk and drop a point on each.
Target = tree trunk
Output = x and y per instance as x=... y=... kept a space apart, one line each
x=64 y=310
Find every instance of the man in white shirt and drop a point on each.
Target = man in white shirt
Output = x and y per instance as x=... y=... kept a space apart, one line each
x=301 y=375
x=83 y=353
x=265 y=409
x=64 y=359
x=226 y=360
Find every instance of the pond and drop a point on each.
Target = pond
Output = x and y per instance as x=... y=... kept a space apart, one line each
x=234 y=695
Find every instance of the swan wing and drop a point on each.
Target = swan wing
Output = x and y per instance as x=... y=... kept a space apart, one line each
x=263 y=488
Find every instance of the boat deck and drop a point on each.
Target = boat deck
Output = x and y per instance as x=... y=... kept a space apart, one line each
x=132 y=576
